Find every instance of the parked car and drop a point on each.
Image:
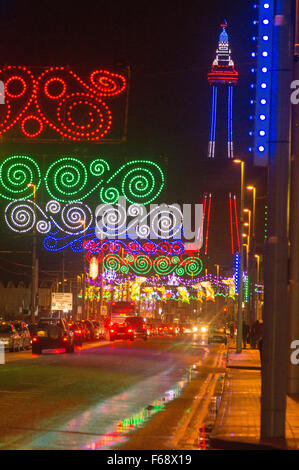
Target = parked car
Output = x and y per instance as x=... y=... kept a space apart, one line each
x=10 y=337
x=23 y=330
x=53 y=333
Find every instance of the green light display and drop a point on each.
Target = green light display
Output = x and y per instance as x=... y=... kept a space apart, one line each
x=16 y=174
x=190 y=266
x=69 y=179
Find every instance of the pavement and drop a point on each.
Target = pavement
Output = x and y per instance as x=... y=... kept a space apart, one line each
x=237 y=425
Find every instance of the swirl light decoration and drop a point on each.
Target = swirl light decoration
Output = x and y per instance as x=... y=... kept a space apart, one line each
x=16 y=174
x=55 y=103
x=139 y=180
x=68 y=179
x=148 y=247
x=142 y=265
x=72 y=219
x=21 y=217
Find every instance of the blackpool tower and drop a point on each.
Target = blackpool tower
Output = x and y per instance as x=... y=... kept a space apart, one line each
x=222 y=74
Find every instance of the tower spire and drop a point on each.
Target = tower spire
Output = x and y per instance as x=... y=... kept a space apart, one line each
x=222 y=73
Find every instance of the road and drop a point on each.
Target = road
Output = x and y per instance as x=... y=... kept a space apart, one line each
x=105 y=395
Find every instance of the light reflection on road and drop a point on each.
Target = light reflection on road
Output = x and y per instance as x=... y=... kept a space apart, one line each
x=110 y=422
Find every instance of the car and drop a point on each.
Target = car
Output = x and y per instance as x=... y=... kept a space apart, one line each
x=10 y=337
x=32 y=330
x=99 y=330
x=86 y=335
x=78 y=333
x=162 y=330
x=23 y=330
x=217 y=335
x=92 y=332
x=172 y=330
x=139 y=327
x=53 y=333
x=190 y=329
x=120 y=330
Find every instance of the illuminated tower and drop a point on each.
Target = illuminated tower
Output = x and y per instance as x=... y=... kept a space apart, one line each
x=222 y=73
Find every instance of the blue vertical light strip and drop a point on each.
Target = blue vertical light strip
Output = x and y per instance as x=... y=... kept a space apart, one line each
x=263 y=83
x=211 y=151
x=230 y=149
x=237 y=272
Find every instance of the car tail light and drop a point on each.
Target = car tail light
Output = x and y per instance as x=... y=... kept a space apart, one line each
x=65 y=338
x=34 y=339
x=129 y=330
x=111 y=331
x=78 y=331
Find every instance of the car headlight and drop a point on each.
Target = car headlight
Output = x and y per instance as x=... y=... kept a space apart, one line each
x=194 y=329
x=203 y=329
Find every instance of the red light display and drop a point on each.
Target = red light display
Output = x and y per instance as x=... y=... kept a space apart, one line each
x=57 y=103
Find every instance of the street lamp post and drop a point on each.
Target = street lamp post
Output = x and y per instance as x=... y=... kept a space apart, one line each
x=256 y=295
x=84 y=282
x=34 y=282
x=249 y=264
x=240 y=296
x=251 y=270
x=217 y=299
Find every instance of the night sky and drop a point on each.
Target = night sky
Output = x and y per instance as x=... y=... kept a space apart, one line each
x=170 y=46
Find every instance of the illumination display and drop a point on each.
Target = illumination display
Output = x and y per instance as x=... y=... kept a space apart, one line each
x=72 y=218
x=16 y=174
x=57 y=104
x=162 y=265
x=94 y=268
x=262 y=69
x=69 y=179
x=246 y=291
x=237 y=272
x=135 y=247
x=222 y=73
x=266 y=222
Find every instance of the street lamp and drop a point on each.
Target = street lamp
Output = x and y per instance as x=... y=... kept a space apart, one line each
x=252 y=271
x=83 y=223
x=240 y=296
x=249 y=265
x=248 y=224
x=245 y=235
x=253 y=189
x=34 y=282
x=217 y=299
x=256 y=297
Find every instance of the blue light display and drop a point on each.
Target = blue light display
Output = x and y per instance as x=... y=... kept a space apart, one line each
x=237 y=272
x=263 y=58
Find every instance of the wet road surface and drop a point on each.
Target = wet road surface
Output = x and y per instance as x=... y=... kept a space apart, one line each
x=105 y=395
